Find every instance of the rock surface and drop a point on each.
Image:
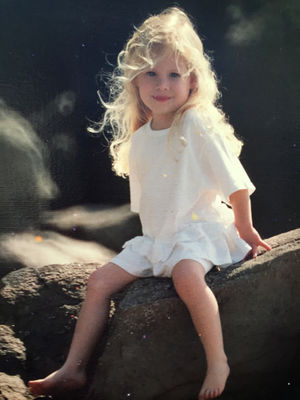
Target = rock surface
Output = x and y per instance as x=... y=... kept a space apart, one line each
x=37 y=248
x=13 y=388
x=97 y=232
x=109 y=225
x=42 y=304
x=12 y=351
x=150 y=349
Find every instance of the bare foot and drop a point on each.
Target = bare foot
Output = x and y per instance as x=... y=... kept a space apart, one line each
x=215 y=380
x=58 y=382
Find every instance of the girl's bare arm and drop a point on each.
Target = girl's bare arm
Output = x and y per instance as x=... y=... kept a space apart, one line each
x=241 y=205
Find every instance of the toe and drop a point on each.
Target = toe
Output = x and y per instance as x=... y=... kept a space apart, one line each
x=207 y=394
x=214 y=394
x=217 y=393
x=211 y=394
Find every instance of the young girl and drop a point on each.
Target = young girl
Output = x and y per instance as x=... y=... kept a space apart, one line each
x=186 y=183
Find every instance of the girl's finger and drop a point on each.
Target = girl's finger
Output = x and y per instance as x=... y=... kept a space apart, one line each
x=254 y=251
x=265 y=245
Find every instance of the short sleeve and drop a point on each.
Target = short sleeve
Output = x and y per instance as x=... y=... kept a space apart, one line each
x=226 y=169
x=134 y=185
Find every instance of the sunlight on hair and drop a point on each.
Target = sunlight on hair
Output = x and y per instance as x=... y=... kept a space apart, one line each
x=171 y=31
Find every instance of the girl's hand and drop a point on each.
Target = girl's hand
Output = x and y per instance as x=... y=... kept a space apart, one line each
x=252 y=237
x=241 y=206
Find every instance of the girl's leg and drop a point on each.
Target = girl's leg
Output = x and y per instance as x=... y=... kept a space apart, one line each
x=189 y=281
x=101 y=285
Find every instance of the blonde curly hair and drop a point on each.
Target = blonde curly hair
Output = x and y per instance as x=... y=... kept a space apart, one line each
x=170 y=30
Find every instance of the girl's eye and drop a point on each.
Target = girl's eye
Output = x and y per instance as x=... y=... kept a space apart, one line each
x=150 y=73
x=175 y=75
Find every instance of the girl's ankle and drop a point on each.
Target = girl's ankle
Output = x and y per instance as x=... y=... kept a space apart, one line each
x=217 y=361
x=74 y=367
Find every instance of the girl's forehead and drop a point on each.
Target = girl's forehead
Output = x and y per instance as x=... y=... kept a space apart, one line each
x=169 y=58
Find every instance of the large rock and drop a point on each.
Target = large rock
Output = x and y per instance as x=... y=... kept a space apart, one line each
x=36 y=248
x=97 y=232
x=153 y=352
x=13 y=388
x=150 y=349
x=42 y=304
x=12 y=351
x=109 y=225
x=25 y=182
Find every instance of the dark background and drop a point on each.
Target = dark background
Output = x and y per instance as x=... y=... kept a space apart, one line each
x=52 y=54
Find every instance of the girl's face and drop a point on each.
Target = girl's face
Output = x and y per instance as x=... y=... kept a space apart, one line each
x=164 y=89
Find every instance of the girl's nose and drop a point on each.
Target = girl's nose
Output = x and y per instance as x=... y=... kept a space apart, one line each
x=162 y=83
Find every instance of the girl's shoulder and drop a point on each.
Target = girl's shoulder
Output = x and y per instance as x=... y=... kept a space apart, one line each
x=198 y=129
x=196 y=124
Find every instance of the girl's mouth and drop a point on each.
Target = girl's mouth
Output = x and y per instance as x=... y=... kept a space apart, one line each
x=161 y=98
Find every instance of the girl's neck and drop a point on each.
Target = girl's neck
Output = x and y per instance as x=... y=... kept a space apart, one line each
x=162 y=121
x=158 y=124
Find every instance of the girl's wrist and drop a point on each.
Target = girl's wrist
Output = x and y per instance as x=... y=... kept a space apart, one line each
x=244 y=226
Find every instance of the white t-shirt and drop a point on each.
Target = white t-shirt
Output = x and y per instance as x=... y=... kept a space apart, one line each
x=182 y=180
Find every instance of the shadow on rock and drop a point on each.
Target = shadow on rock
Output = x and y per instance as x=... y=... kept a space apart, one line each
x=150 y=350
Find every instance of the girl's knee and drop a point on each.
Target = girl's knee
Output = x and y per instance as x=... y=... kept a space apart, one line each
x=108 y=279
x=188 y=274
x=187 y=270
x=99 y=281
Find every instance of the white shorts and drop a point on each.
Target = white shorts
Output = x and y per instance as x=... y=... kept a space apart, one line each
x=142 y=266
x=209 y=243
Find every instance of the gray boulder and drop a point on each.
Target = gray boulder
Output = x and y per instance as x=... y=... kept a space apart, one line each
x=153 y=352
x=36 y=248
x=42 y=304
x=26 y=186
x=12 y=351
x=96 y=233
x=150 y=349
x=109 y=225
x=13 y=388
